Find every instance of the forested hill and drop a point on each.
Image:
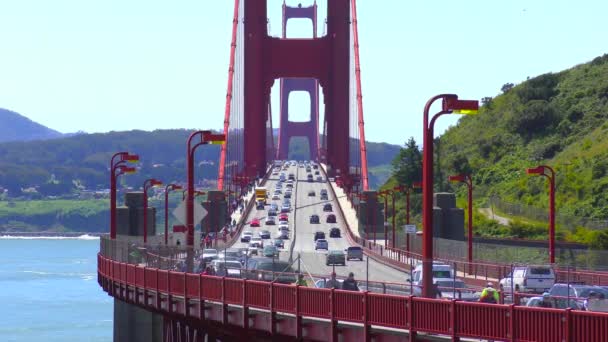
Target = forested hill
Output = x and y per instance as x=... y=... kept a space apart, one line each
x=57 y=166
x=557 y=119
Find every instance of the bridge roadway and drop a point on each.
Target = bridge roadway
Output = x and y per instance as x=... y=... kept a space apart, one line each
x=303 y=206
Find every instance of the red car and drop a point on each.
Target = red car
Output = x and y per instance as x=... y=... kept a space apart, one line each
x=255 y=222
x=283 y=217
x=331 y=218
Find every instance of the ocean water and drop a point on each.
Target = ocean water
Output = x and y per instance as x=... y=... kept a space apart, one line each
x=49 y=291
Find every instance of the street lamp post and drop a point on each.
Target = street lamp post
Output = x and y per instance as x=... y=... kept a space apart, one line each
x=466 y=179
x=385 y=195
x=122 y=169
x=407 y=189
x=540 y=171
x=148 y=183
x=167 y=188
x=116 y=161
x=450 y=104
x=204 y=138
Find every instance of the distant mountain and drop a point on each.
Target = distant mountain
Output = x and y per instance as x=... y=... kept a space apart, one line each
x=57 y=166
x=16 y=127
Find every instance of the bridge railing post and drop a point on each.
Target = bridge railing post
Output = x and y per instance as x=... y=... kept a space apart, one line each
x=366 y=326
x=298 y=315
x=332 y=315
x=245 y=307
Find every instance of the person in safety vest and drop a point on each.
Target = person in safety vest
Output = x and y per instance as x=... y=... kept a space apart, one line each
x=301 y=280
x=489 y=294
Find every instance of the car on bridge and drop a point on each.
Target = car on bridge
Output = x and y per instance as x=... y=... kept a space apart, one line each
x=278 y=243
x=311 y=193
x=354 y=252
x=268 y=269
x=283 y=217
x=270 y=251
x=209 y=254
x=327 y=207
x=315 y=218
x=528 y=279
x=454 y=290
x=284 y=226
x=283 y=234
x=319 y=235
x=335 y=257
x=285 y=208
x=246 y=237
x=276 y=197
x=309 y=178
x=270 y=221
x=291 y=176
x=287 y=194
x=319 y=179
x=255 y=222
x=227 y=268
x=259 y=205
x=334 y=232
x=577 y=292
x=317 y=172
x=324 y=197
x=264 y=234
x=321 y=244
x=272 y=212
x=256 y=242
x=331 y=218
x=441 y=273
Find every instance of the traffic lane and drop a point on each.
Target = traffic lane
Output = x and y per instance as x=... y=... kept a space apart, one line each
x=262 y=214
x=315 y=261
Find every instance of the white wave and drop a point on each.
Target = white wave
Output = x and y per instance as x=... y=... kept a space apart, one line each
x=84 y=276
x=81 y=237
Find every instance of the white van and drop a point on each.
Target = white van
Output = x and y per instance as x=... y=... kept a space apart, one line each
x=529 y=278
x=441 y=272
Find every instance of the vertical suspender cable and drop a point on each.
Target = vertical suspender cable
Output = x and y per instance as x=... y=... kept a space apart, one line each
x=359 y=99
x=221 y=171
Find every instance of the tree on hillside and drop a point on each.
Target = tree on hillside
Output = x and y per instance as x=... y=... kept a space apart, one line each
x=506 y=87
x=407 y=165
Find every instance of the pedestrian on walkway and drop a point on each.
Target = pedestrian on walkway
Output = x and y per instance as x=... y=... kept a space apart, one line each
x=489 y=294
x=301 y=280
x=350 y=284
x=332 y=283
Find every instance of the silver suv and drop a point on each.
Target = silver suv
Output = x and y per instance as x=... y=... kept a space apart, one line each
x=354 y=252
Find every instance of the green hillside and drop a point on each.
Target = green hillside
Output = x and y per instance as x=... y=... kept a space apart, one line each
x=56 y=167
x=556 y=119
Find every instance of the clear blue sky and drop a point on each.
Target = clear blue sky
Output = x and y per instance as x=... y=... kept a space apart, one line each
x=101 y=65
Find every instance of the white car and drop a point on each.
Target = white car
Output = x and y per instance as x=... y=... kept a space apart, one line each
x=283 y=234
x=270 y=220
x=285 y=208
x=283 y=226
x=276 y=197
x=256 y=242
x=321 y=244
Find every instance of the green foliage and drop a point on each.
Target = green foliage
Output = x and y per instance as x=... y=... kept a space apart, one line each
x=407 y=165
x=554 y=119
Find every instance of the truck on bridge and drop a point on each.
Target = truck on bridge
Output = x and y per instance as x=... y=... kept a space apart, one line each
x=261 y=194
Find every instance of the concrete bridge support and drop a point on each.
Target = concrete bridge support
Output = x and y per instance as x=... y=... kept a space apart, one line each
x=131 y=323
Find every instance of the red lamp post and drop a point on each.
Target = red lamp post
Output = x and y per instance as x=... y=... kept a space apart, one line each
x=204 y=138
x=462 y=178
x=148 y=183
x=117 y=160
x=541 y=171
x=167 y=188
x=450 y=104
x=407 y=189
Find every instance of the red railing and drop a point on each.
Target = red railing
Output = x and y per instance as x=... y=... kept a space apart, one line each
x=434 y=316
